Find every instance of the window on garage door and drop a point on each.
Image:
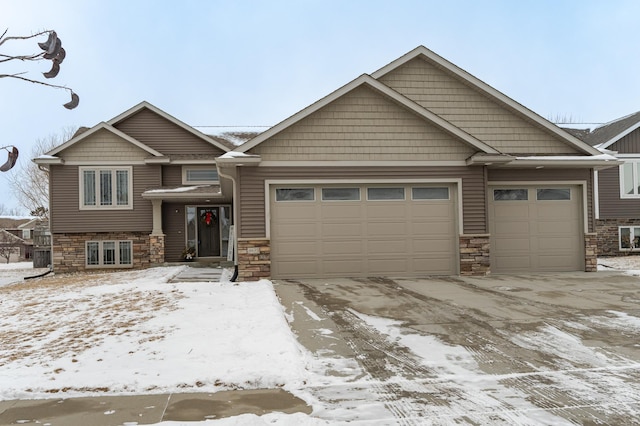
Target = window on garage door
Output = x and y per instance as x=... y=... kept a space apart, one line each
x=295 y=194
x=340 y=194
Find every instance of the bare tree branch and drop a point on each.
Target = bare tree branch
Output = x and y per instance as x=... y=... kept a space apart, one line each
x=52 y=50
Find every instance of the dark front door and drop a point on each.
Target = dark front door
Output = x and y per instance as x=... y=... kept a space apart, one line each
x=208 y=231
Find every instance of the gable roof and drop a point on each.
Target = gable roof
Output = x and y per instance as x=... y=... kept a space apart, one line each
x=384 y=90
x=487 y=90
x=9 y=238
x=146 y=105
x=606 y=135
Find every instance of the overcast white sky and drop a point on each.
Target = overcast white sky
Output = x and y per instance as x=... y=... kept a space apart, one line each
x=227 y=63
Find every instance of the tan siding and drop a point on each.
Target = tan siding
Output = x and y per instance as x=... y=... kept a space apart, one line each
x=104 y=146
x=251 y=206
x=171 y=175
x=611 y=205
x=629 y=144
x=470 y=110
x=542 y=175
x=173 y=225
x=66 y=216
x=164 y=136
x=363 y=125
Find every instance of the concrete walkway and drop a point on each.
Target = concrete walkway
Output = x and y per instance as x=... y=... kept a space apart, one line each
x=148 y=409
x=200 y=274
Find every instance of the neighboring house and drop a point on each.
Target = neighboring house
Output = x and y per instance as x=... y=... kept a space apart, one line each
x=618 y=189
x=417 y=169
x=11 y=246
x=23 y=228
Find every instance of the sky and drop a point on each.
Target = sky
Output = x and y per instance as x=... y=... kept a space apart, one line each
x=255 y=63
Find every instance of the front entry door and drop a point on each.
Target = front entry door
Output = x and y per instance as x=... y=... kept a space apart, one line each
x=208 y=231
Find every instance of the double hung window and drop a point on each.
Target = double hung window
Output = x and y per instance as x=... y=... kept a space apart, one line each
x=630 y=179
x=104 y=254
x=106 y=188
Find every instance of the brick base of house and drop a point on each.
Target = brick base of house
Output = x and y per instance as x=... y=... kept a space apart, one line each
x=475 y=255
x=608 y=238
x=69 y=250
x=591 y=252
x=254 y=259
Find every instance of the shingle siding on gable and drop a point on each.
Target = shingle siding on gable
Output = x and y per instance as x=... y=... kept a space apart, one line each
x=103 y=146
x=164 y=136
x=362 y=125
x=66 y=216
x=470 y=110
x=252 y=189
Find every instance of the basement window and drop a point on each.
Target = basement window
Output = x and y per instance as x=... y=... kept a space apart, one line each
x=109 y=254
x=629 y=238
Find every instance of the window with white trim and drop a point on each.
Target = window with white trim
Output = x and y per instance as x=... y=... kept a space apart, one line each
x=200 y=175
x=630 y=179
x=629 y=238
x=109 y=254
x=106 y=188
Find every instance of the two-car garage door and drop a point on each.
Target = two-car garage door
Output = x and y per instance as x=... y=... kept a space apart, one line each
x=357 y=230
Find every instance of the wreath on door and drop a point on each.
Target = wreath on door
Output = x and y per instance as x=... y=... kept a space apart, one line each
x=209 y=218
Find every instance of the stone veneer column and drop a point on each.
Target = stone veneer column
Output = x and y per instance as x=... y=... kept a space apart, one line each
x=156 y=249
x=254 y=259
x=591 y=252
x=474 y=255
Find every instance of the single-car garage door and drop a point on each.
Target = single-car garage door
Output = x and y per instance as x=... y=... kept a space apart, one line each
x=536 y=229
x=358 y=230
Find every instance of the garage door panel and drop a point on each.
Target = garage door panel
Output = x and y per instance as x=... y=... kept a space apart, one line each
x=557 y=211
x=297 y=248
x=386 y=210
x=433 y=266
x=341 y=229
x=296 y=211
x=298 y=231
x=512 y=210
x=385 y=266
x=431 y=245
x=512 y=228
x=555 y=262
x=431 y=210
x=341 y=247
x=377 y=229
x=436 y=228
x=340 y=210
x=557 y=244
x=386 y=247
x=513 y=263
x=342 y=267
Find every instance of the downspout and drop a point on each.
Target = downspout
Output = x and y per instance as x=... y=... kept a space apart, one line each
x=235 y=220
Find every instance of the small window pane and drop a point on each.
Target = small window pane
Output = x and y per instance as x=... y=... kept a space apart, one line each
x=202 y=175
x=105 y=187
x=93 y=248
x=385 y=193
x=627 y=178
x=340 y=194
x=125 y=252
x=510 y=194
x=122 y=187
x=294 y=194
x=430 y=193
x=109 y=253
x=89 y=182
x=553 y=194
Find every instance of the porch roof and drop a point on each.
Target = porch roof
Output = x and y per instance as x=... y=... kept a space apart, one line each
x=183 y=193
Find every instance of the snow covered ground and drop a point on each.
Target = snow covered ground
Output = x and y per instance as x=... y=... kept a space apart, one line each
x=135 y=333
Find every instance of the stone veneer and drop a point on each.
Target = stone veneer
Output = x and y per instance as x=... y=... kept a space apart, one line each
x=475 y=255
x=254 y=259
x=607 y=230
x=156 y=250
x=591 y=252
x=69 y=249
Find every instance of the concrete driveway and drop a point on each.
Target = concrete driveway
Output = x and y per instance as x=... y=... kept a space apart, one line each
x=535 y=349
